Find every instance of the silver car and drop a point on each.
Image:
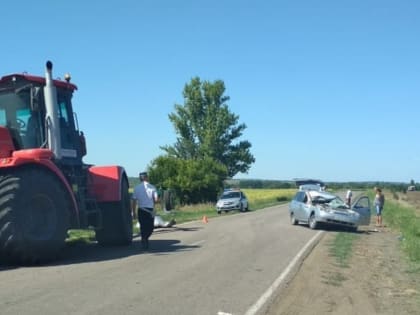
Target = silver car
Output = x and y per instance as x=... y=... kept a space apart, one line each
x=315 y=207
x=232 y=200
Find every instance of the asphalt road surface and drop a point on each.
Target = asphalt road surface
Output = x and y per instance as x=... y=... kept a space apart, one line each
x=225 y=266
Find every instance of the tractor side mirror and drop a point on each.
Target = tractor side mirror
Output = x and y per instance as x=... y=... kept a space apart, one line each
x=82 y=138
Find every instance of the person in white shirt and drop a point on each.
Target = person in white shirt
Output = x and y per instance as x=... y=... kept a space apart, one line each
x=348 y=197
x=143 y=199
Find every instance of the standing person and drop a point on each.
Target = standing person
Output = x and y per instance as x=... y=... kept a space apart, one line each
x=349 y=195
x=379 y=205
x=143 y=200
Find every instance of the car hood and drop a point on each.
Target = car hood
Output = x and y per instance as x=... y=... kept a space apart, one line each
x=325 y=206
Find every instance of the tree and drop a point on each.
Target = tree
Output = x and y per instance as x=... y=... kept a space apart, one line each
x=193 y=180
x=207 y=129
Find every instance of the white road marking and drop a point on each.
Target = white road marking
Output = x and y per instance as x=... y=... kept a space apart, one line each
x=254 y=309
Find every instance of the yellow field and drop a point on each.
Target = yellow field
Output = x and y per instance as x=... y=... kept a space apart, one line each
x=261 y=195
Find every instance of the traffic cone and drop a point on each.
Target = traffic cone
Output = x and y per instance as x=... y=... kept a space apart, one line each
x=205 y=220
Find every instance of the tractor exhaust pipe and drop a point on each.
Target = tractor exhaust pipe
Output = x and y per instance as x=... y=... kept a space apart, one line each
x=51 y=116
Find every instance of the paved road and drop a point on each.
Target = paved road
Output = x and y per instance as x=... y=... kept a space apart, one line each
x=224 y=266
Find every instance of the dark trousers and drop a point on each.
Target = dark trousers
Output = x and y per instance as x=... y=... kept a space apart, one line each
x=147 y=223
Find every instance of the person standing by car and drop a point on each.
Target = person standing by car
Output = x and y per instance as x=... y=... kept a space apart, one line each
x=379 y=205
x=144 y=198
x=349 y=195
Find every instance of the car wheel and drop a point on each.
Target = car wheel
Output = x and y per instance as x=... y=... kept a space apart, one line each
x=312 y=222
x=293 y=219
x=219 y=212
x=241 y=208
x=353 y=229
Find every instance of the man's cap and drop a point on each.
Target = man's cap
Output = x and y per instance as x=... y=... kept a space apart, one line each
x=143 y=174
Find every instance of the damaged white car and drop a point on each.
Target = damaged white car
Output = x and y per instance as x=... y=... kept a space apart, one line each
x=314 y=207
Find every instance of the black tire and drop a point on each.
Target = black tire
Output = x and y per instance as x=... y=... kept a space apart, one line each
x=168 y=201
x=312 y=222
x=293 y=219
x=117 y=221
x=34 y=216
x=353 y=229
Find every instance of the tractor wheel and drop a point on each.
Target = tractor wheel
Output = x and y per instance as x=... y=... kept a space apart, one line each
x=117 y=221
x=34 y=216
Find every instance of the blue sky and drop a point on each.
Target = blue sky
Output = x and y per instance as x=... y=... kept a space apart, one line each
x=328 y=89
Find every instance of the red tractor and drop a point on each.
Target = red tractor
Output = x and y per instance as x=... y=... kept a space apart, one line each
x=45 y=187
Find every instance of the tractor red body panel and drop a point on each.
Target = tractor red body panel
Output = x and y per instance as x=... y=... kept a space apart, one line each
x=6 y=143
x=40 y=80
x=42 y=158
x=105 y=182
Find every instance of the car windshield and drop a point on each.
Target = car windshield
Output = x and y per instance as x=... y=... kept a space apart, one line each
x=322 y=199
x=338 y=203
x=230 y=194
x=319 y=197
x=329 y=199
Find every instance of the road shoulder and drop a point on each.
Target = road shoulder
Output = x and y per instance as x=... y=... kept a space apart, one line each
x=376 y=281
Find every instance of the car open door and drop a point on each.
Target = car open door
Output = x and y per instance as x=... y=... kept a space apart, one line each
x=362 y=206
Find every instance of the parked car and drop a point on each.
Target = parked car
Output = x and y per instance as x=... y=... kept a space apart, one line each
x=310 y=187
x=309 y=183
x=315 y=207
x=232 y=200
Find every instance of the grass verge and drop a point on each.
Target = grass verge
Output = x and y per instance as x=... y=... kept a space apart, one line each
x=405 y=220
x=341 y=248
x=80 y=236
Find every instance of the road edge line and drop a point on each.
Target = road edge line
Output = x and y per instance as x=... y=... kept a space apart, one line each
x=254 y=309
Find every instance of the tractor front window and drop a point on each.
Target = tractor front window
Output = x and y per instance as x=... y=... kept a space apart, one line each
x=70 y=139
x=65 y=126
x=16 y=115
x=3 y=119
x=30 y=131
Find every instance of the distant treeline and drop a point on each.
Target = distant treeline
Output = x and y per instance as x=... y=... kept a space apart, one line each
x=281 y=184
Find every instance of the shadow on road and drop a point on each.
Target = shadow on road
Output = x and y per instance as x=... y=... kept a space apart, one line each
x=175 y=228
x=338 y=228
x=76 y=253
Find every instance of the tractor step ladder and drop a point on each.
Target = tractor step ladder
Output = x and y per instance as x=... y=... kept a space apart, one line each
x=93 y=213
